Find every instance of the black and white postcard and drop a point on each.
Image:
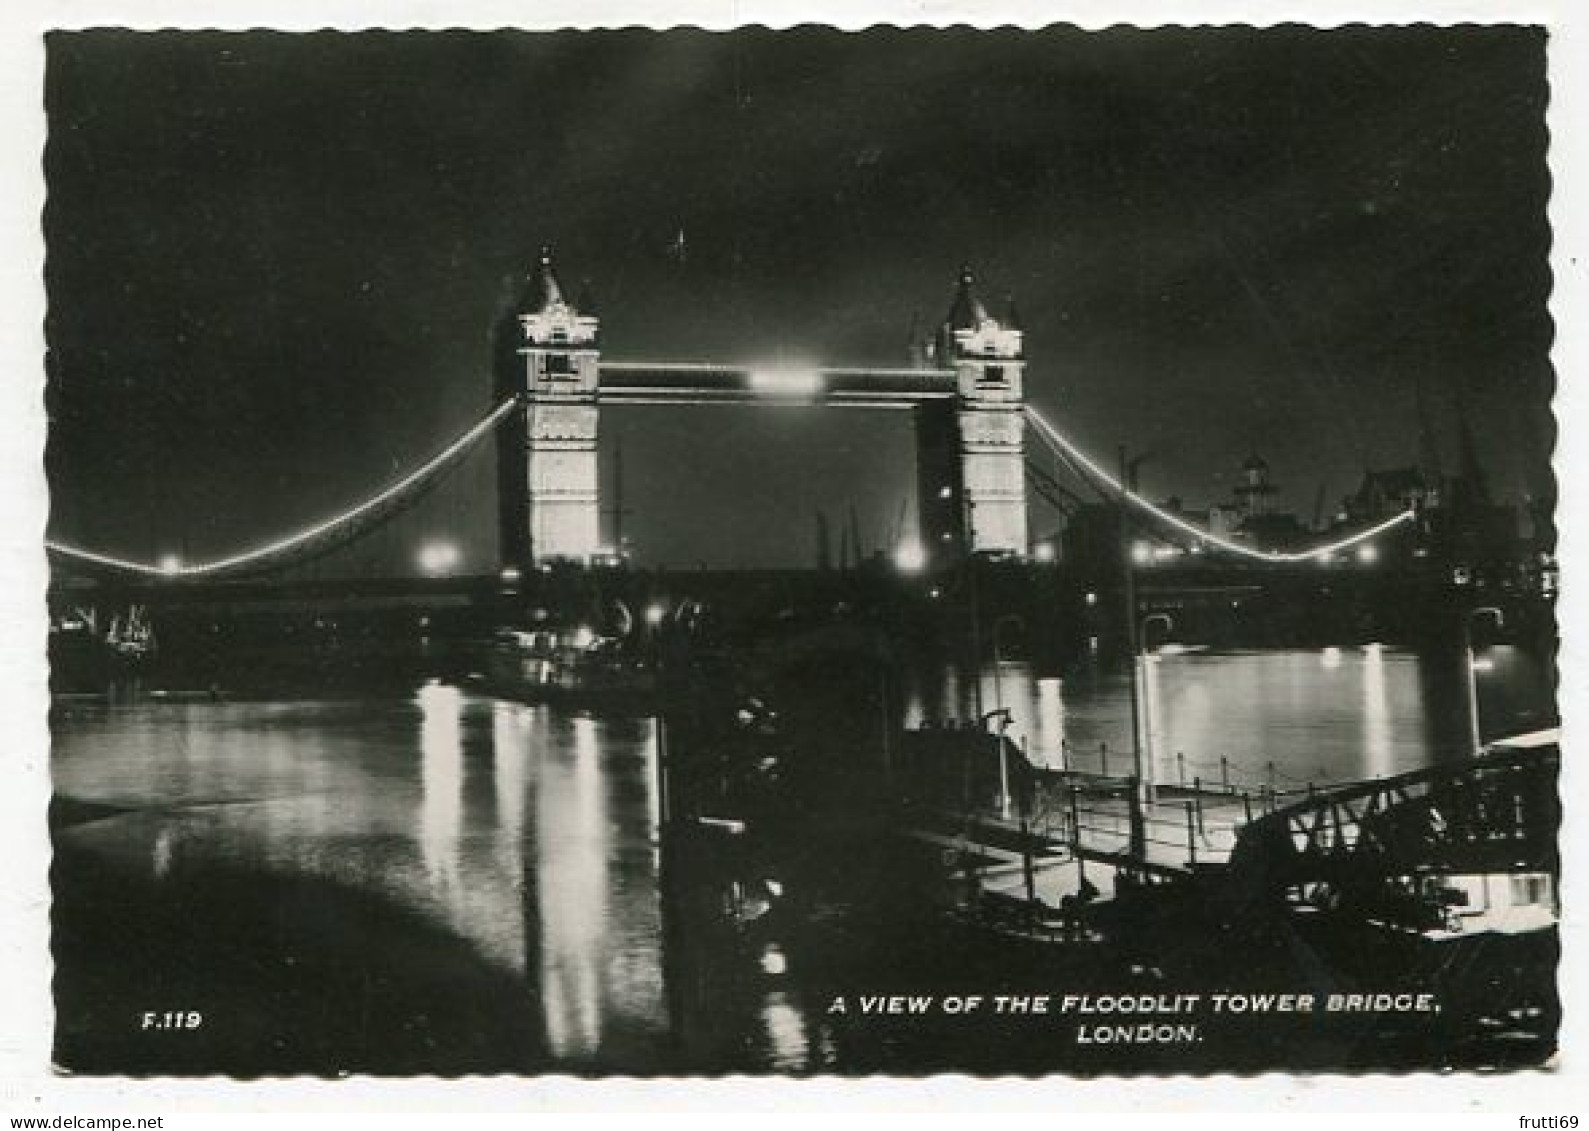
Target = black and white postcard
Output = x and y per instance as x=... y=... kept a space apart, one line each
x=793 y=551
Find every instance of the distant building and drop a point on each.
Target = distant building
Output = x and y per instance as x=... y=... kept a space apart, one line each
x=1224 y=520
x=1457 y=524
x=1253 y=517
x=1254 y=491
x=1385 y=494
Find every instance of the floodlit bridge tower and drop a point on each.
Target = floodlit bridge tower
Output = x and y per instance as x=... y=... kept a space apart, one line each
x=549 y=473
x=971 y=469
x=966 y=394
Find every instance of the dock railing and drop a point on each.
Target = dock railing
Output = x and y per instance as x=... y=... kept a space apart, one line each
x=1088 y=807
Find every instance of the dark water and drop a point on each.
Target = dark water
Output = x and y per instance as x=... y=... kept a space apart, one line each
x=1321 y=715
x=435 y=880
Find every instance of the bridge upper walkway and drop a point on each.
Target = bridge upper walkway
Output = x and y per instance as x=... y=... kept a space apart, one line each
x=656 y=382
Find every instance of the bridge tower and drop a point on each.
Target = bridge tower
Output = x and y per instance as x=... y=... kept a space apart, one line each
x=549 y=463
x=971 y=467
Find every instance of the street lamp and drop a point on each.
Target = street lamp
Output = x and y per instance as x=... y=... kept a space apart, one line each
x=438 y=557
x=998 y=704
x=1470 y=667
x=910 y=557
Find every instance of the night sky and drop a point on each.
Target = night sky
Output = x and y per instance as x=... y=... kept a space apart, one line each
x=275 y=260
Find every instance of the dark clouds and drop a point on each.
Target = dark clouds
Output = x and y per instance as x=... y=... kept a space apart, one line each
x=275 y=260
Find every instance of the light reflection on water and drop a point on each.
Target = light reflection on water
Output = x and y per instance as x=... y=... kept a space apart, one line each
x=1322 y=715
x=530 y=834
x=441 y=790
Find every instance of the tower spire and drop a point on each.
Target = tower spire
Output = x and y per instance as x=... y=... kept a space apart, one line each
x=546 y=292
x=967 y=312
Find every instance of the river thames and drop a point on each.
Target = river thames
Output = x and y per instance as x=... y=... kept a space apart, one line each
x=425 y=878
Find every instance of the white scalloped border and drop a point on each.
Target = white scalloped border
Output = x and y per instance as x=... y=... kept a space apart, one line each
x=27 y=1088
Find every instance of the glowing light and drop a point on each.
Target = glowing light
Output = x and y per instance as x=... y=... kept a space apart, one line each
x=510 y=573
x=1141 y=553
x=438 y=557
x=1367 y=553
x=170 y=564
x=946 y=492
x=910 y=557
x=1092 y=598
x=787 y=382
x=773 y=961
x=655 y=614
x=1483 y=664
x=1071 y=453
x=1044 y=552
x=583 y=637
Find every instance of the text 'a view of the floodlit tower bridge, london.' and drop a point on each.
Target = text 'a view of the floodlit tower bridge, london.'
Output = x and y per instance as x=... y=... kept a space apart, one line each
x=1059 y=694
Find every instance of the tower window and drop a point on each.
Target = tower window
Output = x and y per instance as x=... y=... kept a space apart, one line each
x=991 y=375
x=559 y=365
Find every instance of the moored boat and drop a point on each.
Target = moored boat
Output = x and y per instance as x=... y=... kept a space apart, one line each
x=568 y=665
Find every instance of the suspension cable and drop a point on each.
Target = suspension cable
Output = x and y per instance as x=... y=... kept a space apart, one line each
x=1073 y=455
x=1067 y=451
x=285 y=545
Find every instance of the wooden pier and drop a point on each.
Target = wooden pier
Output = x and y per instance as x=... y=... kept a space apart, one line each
x=978 y=796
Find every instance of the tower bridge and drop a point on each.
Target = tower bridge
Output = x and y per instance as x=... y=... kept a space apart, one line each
x=967 y=396
x=965 y=390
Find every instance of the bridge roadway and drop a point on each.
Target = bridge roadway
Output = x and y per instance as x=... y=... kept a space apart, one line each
x=733 y=586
